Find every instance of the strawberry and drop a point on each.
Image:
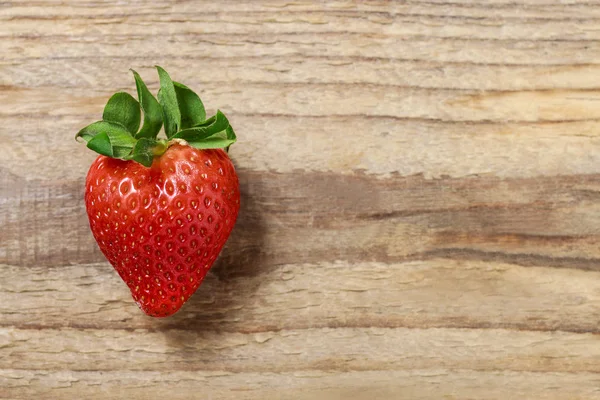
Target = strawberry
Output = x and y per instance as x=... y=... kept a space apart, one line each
x=161 y=210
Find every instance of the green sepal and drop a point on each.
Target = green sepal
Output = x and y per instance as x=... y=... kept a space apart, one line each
x=230 y=136
x=191 y=107
x=108 y=138
x=214 y=133
x=178 y=108
x=101 y=144
x=168 y=100
x=217 y=123
x=144 y=151
x=230 y=133
x=220 y=140
x=213 y=142
x=218 y=117
x=123 y=109
x=152 y=110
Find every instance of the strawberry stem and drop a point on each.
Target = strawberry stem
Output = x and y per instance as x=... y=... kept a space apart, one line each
x=160 y=148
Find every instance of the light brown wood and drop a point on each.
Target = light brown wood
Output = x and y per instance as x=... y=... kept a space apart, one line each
x=420 y=215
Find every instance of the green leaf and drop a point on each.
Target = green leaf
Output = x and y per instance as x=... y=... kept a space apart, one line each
x=190 y=106
x=208 y=122
x=230 y=133
x=168 y=100
x=214 y=133
x=143 y=152
x=151 y=107
x=215 y=142
x=217 y=123
x=123 y=109
x=87 y=133
x=101 y=144
x=230 y=136
x=108 y=138
x=98 y=127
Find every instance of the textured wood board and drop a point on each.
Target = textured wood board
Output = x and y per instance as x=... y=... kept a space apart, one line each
x=420 y=214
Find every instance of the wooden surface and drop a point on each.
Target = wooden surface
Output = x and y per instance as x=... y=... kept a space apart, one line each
x=421 y=201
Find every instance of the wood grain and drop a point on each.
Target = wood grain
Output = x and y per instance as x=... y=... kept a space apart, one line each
x=420 y=216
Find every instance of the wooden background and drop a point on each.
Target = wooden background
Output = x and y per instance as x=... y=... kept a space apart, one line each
x=421 y=201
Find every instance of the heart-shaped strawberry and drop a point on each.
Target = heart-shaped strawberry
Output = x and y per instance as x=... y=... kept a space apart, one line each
x=161 y=210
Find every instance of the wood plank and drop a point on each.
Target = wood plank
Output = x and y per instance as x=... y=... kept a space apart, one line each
x=89 y=73
x=546 y=9
x=396 y=20
x=287 y=351
x=250 y=297
x=198 y=47
x=336 y=145
x=379 y=102
x=326 y=217
x=414 y=384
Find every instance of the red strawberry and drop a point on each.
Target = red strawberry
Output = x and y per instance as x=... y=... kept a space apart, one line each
x=163 y=227
x=161 y=210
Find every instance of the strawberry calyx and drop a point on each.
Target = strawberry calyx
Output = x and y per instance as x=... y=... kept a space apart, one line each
x=178 y=109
